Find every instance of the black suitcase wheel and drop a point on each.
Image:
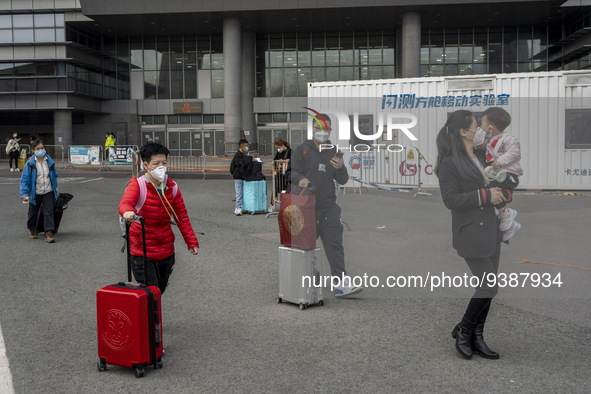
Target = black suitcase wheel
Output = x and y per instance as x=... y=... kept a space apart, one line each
x=140 y=372
x=302 y=307
x=102 y=365
x=279 y=300
x=158 y=364
x=320 y=303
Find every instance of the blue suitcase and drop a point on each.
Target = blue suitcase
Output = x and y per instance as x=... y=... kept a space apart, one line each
x=254 y=197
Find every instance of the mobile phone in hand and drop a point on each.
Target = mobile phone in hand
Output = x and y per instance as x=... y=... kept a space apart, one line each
x=339 y=155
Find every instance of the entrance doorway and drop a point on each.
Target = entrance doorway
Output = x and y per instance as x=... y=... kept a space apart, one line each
x=188 y=142
x=266 y=139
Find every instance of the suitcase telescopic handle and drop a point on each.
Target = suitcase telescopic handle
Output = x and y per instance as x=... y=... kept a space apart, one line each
x=144 y=248
x=142 y=221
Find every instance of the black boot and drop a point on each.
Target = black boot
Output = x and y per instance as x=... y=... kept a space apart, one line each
x=462 y=333
x=479 y=345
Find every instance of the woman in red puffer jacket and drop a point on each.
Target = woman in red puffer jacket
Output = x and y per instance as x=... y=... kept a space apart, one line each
x=163 y=205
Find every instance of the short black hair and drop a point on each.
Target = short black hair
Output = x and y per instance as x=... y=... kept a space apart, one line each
x=151 y=149
x=242 y=142
x=36 y=143
x=498 y=117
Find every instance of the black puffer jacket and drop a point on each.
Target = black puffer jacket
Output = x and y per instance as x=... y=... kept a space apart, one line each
x=240 y=166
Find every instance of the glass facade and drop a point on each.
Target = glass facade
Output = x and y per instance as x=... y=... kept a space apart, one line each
x=287 y=62
x=173 y=67
x=170 y=65
x=184 y=119
x=32 y=28
x=470 y=51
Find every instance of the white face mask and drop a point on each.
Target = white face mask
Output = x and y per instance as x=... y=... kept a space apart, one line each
x=479 y=137
x=159 y=173
x=279 y=150
x=321 y=136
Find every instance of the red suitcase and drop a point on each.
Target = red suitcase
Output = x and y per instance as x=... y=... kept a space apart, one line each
x=129 y=322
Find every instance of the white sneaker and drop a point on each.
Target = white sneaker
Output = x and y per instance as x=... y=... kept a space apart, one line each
x=12 y=170
x=346 y=289
x=238 y=212
x=17 y=169
x=507 y=235
x=507 y=219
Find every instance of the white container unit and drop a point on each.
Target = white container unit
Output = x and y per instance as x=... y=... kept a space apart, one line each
x=551 y=116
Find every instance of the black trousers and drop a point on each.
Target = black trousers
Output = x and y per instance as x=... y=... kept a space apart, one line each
x=46 y=202
x=158 y=271
x=330 y=230
x=508 y=185
x=13 y=156
x=479 y=305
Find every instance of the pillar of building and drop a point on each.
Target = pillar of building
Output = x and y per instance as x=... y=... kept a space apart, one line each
x=410 y=55
x=62 y=127
x=248 y=85
x=232 y=84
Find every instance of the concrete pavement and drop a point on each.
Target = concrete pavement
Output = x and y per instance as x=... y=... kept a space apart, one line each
x=224 y=331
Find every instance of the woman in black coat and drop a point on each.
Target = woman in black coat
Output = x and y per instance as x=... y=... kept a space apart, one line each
x=475 y=227
x=283 y=176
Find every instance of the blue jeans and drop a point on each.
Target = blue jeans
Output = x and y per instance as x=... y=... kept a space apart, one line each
x=238 y=188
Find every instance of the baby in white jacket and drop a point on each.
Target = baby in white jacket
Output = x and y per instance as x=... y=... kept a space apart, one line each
x=503 y=151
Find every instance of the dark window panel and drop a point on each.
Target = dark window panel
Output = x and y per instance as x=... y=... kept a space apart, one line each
x=217 y=83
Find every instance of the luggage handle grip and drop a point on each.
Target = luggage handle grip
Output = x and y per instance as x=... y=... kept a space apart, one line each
x=142 y=221
x=130 y=283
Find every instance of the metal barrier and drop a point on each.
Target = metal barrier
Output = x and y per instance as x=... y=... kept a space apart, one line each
x=24 y=152
x=186 y=164
x=94 y=155
x=123 y=157
x=4 y=156
x=136 y=164
x=403 y=169
x=56 y=152
x=280 y=183
x=215 y=165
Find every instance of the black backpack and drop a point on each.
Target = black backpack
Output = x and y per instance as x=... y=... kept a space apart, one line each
x=256 y=172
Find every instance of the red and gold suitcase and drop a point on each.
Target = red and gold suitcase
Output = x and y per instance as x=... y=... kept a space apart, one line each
x=297 y=219
x=129 y=323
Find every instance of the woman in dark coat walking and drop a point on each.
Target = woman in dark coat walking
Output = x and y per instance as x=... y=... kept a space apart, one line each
x=475 y=227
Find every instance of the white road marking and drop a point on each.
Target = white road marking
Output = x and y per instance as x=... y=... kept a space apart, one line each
x=91 y=180
x=17 y=181
x=5 y=375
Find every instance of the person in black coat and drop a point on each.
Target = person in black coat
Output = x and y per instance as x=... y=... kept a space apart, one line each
x=475 y=226
x=283 y=153
x=240 y=167
x=318 y=167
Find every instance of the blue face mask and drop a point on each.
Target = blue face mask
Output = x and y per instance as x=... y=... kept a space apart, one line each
x=40 y=153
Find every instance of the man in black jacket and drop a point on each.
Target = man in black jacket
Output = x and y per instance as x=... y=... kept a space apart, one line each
x=239 y=168
x=314 y=164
